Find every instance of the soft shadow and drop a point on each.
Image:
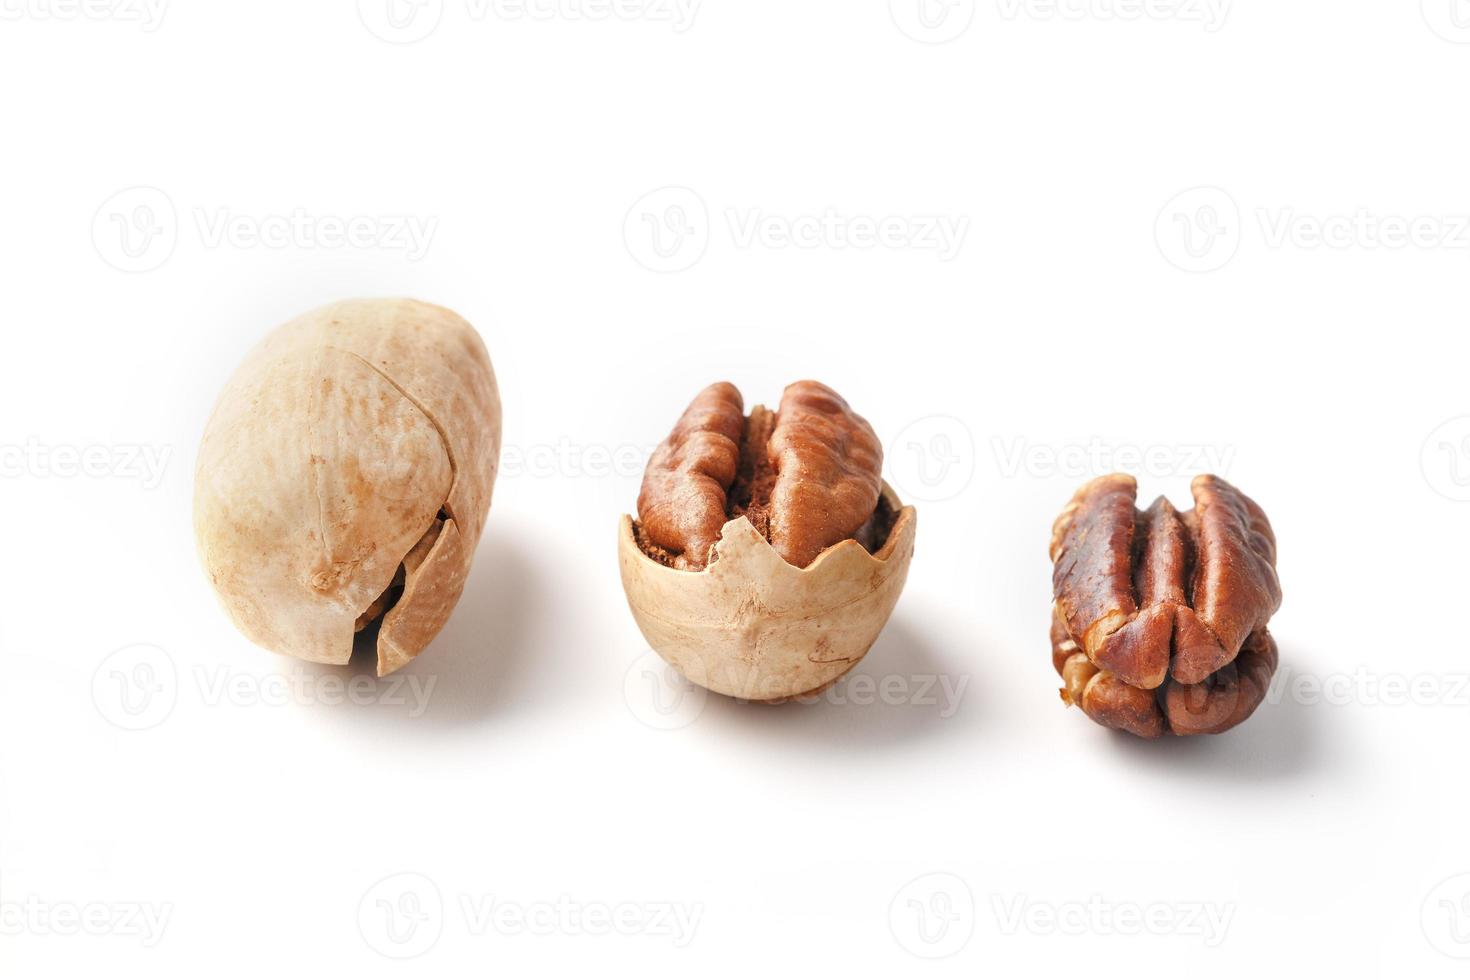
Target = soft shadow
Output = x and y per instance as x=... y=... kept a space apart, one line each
x=1282 y=739
x=474 y=668
x=927 y=695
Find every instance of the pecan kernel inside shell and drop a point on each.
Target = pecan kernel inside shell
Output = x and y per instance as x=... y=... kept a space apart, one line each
x=806 y=477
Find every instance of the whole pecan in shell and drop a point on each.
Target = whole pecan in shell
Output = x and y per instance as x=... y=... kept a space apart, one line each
x=768 y=553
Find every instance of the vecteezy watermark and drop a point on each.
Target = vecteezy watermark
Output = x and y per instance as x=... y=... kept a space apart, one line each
x=1365 y=687
x=136 y=688
x=407 y=233
x=932 y=21
x=138 y=229
x=933 y=916
x=942 y=234
x=408 y=21
x=147 y=14
x=659 y=696
x=1199 y=229
x=1445 y=459
x=567 y=916
x=404 y=915
x=221 y=686
x=1362 y=229
x=1208 y=922
x=138 y=462
x=1445 y=917
x=1450 y=19
x=1016 y=457
x=144 y=922
x=1209 y=14
x=573 y=460
x=862 y=690
x=932 y=459
x=669 y=230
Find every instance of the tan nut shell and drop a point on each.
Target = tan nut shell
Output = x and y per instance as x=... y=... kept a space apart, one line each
x=328 y=457
x=752 y=626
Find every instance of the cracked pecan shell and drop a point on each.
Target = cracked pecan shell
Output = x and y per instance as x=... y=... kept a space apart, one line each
x=1160 y=617
x=345 y=477
x=768 y=553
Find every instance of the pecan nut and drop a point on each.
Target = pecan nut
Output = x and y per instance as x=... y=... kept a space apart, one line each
x=806 y=476
x=768 y=553
x=345 y=477
x=1160 y=617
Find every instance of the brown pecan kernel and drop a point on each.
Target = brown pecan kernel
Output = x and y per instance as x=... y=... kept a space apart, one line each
x=806 y=476
x=1160 y=617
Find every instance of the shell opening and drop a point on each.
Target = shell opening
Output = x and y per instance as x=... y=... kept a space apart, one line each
x=372 y=617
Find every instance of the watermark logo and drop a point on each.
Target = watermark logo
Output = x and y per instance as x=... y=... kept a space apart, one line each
x=408 y=233
x=1367 y=688
x=932 y=459
x=221 y=686
x=1362 y=229
x=136 y=229
x=400 y=21
x=34 y=916
x=1079 y=460
x=136 y=688
x=933 y=916
x=1210 y=14
x=1445 y=459
x=147 y=14
x=402 y=916
x=568 y=916
x=1450 y=19
x=660 y=696
x=1199 y=229
x=941 y=234
x=33 y=459
x=1209 y=922
x=944 y=692
x=667 y=230
x=410 y=21
x=568 y=459
x=932 y=21
x=1445 y=917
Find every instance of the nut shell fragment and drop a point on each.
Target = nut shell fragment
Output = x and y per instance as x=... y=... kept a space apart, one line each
x=752 y=625
x=355 y=444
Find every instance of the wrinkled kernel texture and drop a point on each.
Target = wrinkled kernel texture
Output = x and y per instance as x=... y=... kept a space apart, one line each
x=1160 y=620
x=806 y=476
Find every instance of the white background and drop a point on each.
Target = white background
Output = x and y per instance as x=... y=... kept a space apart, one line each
x=1137 y=286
